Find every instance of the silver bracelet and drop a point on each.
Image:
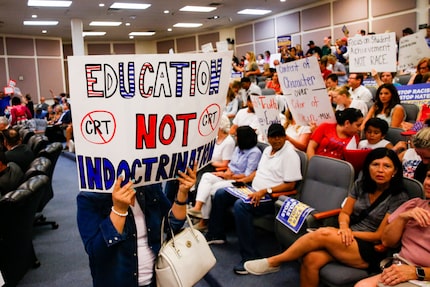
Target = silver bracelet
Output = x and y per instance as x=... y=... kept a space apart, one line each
x=118 y=213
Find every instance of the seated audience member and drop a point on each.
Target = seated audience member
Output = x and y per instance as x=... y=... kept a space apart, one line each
x=323 y=67
x=353 y=242
x=357 y=90
x=387 y=106
x=343 y=100
x=384 y=78
x=331 y=81
x=421 y=143
x=248 y=88
x=232 y=104
x=267 y=72
x=4 y=123
x=296 y=134
x=19 y=113
x=278 y=171
x=330 y=139
x=245 y=117
x=11 y=175
x=375 y=130
x=274 y=84
x=409 y=226
x=243 y=163
x=338 y=69
x=17 y=152
x=423 y=67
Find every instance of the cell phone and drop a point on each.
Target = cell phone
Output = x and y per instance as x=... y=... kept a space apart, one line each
x=238 y=184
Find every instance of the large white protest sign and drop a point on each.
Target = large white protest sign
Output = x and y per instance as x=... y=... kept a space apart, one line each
x=267 y=110
x=372 y=52
x=412 y=48
x=306 y=94
x=145 y=115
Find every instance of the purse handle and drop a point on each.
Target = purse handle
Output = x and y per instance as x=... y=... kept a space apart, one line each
x=171 y=230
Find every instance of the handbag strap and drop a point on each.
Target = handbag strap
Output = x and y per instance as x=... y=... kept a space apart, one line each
x=364 y=213
x=190 y=223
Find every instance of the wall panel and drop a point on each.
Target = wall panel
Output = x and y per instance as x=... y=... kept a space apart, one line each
x=1 y=46
x=47 y=79
x=164 y=46
x=27 y=69
x=383 y=7
x=208 y=38
x=3 y=77
x=187 y=44
x=124 y=48
x=264 y=46
x=316 y=17
x=99 y=49
x=46 y=47
x=345 y=11
x=244 y=34
x=19 y=46
x=395 y=24
x=264 y=29
x=288 y=24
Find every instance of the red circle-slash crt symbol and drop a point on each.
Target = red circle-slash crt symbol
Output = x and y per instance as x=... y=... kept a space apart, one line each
x=209 y=119
x=98 y=127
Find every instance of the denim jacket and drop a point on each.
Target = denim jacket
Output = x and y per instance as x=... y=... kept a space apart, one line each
x=113 y=256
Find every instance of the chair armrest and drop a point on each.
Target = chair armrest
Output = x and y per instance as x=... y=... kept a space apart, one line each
x=326 y=214
x=284 y=193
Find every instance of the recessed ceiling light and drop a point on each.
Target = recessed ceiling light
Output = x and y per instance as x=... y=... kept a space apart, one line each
x=101 y=4
x=44 y=31
x=84 y=34
x=188 y=25
x=131 y=37
x=197 y=9
x=169 y=29
x=119 y=5
x=40 y=23
x=166 y=11
x=34 y=16
x=149 y=33
x=254 y=12
x=49 y=3
x=127 y=24
x=105 y=23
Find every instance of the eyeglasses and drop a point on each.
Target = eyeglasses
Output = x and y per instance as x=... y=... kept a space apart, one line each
x=423 y=67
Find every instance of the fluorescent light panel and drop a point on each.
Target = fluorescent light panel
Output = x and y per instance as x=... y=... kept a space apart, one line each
x=187 y=25
x=40 y=23
x=150 y=33
x=254 y=12
x=93 y=34
x=197 y=9
x=119 y=5
x=49 y=3
x=104 y=23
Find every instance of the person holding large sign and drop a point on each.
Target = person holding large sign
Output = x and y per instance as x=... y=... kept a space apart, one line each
x=362 y=219
x=122 y=249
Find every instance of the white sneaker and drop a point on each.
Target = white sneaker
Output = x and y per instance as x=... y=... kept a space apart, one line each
x=71 y=146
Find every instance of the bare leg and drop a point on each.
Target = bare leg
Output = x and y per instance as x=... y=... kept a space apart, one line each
x=323 y=239
x=369 y=282
x=311 y=265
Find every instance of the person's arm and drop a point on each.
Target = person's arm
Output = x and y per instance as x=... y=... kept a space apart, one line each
x=233 y=129
x=398 y=116
x=258 y=195
x=186 y=181
x=373 y=236
x=375 y=76
x=311 y=149
x=344 y=221
x=368 y=116
x=412 y=79
x=302 y=142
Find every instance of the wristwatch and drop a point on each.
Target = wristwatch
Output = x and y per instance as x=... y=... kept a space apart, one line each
x=420 y=273
x=269 y=190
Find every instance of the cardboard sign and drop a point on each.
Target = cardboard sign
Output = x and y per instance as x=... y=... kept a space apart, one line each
x=305 y=91
x=267 y=110
x=146 y=116
x=412 y=48
x=293 y=214
x=372 y=52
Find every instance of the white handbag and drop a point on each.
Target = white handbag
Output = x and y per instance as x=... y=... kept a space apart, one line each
x=184 y=259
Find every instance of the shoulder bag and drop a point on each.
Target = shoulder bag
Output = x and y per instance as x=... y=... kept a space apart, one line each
x=184 y=259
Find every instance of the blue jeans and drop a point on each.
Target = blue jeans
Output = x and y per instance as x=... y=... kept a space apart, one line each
x=244 y=214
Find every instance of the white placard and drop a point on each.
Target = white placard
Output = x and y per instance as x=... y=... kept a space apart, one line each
x=412 y=48
x=305 y=91
x=267 y=110
x=207 y=48
x=1 y=280
x=221 y=46
x=372 y=52
x=146 y=115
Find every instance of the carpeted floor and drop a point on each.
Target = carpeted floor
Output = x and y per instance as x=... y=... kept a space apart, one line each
x=64 y=262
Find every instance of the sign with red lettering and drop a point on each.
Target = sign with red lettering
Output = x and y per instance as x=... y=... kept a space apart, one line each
x=305 y=91
x=145 y=116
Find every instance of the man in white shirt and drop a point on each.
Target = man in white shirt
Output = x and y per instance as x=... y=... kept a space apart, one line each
x=248 y=88
x=357 y=90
